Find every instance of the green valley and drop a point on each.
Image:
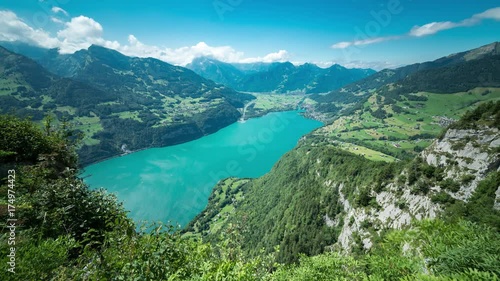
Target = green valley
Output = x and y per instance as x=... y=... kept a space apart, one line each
x=402 y=128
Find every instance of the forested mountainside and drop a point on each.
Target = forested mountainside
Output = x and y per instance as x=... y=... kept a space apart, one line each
x=278 y=77
x=319 y=198
x=451 y=74
x=119 y=103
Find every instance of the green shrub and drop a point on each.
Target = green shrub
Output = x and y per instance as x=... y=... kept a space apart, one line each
x=442 y=198
x=467 y=178
x=450 y=185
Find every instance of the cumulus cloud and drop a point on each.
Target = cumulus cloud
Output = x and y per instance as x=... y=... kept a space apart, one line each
x=427 y=29
x=59 y=10
x=14 y=29
x=184 y=55
x=179 y=56
x=81 y=27
x=81 y=32
x=280 y=56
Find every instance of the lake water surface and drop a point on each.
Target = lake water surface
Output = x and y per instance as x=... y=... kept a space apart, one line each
x=173 y=183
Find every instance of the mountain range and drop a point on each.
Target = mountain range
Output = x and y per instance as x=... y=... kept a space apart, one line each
x=476 y=67
x=277 y=77
x=116 y=100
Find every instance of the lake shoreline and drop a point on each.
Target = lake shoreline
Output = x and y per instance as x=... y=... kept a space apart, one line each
x=150 y=147
x=173 y=183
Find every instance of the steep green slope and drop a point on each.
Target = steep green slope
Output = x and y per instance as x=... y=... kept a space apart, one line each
x=383 y=128
x=318 y=195
x=131 y=103
x=433 y=250
x=28 y=89
x=399 y=119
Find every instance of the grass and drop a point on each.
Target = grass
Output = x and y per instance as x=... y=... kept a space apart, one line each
x=68 y=109
x=134 y=115
x=89 y=126
x=265 y=103
x=366 y=152
x=182 y=107
x=216 y=204
x=8 y=86
x=392 y=134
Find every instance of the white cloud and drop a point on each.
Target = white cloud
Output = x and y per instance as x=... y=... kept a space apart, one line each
x=184 y=55
x=493 y=14
x=432 y=28
x=81 y=32
x=347 y=44
x=376 y=65
x=280 y=56
x=59 y=10
x=56 y=20
x=81 y=27
x=427 y=29
x=14 y=29
x=435 y=27
x=179 y=56
x=342 y=45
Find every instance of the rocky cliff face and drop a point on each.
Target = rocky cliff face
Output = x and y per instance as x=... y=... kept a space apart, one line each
x=463 y=157
x=466 y=152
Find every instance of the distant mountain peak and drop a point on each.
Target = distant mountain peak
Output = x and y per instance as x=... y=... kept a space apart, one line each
x=309 y=65
x=100 y=50
x=278 y=77
x=486 y=50
x=205 y=59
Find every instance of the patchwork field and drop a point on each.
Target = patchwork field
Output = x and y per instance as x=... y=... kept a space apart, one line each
x=265 y=103
x=386 y=132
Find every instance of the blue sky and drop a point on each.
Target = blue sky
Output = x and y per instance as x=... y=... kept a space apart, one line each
x=355 y=33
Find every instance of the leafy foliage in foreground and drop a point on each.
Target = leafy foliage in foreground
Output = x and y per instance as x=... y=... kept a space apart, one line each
x=434 y=250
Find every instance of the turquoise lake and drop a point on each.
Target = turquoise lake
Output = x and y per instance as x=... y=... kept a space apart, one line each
x=172 y=184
